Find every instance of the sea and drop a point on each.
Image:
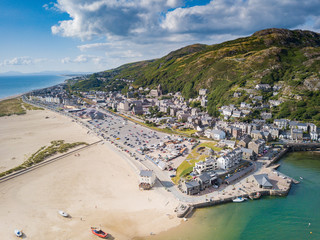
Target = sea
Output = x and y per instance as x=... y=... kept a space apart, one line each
x=13 y=85
x=294 y=217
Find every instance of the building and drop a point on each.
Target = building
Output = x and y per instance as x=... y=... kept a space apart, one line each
x=244 y=141
x=210 y=164
x=281 y=123
x=263 y=87
x=204 y=181
x=124 y=106
x=203 y=92
x=263 y=181
x=314 y=136
x=257 y=146
x=191 y=188
x=296 y=134
x=248 y=154
x=236 y=132
x=230 y=159
x=215 y=134
x=147 y=179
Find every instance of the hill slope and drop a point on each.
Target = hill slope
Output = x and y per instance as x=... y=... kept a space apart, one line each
x=288 y=58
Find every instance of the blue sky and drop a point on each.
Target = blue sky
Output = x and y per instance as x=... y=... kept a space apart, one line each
x=95 y=35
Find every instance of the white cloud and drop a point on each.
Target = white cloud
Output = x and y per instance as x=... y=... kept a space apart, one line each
x=83 y=59
x=96 y=46
x=51 y=6
x=66 y=60
x=147 y=20
x=22 y=61
x=239 y=17
x=132 y=30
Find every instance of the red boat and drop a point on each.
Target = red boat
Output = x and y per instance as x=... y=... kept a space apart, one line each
x=99 y=232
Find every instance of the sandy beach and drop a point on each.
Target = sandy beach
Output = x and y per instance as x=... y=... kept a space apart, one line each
x=97 y=188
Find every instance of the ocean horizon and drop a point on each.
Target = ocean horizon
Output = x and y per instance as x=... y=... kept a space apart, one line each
x=15 y=85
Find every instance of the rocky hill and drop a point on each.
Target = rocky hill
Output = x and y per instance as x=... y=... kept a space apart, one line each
x=287 y=60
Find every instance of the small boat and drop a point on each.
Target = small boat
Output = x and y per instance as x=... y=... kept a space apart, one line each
x=256 y=196
x=18 y=233
x=301 y=178
x=239 y=199
x=63 y=214
x=98 y=232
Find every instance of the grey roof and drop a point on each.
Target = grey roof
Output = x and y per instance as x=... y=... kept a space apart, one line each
x=204 y=177
x=263 y=180
x=247 y=150
x=146 y=173
x=192 y=184
x=237 y=175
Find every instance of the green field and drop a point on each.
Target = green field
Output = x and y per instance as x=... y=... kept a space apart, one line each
x=186 y=167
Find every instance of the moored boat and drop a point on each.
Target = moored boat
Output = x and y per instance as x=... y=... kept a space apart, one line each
x=257 y=195
x=98 y=232
x=239 y=199
x=18 y=233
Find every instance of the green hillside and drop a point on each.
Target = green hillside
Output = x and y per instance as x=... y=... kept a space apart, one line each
x=282 y=57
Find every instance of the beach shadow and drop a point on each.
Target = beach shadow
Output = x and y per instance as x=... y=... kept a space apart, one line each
x=24 y=236
x=110 y=237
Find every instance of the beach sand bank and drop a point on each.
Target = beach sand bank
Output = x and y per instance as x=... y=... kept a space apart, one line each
x=21 y=136
x=97 y=188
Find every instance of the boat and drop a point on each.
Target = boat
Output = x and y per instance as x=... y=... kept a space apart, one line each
x=98 y=232
x=256 y=196
x=239 y=199
x=18 y=233
x=301 y=178
x=63 y=214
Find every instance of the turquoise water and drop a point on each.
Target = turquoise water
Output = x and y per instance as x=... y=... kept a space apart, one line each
x=12 y=85
x=267 y=218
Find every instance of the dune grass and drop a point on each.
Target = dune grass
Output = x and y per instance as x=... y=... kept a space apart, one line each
x=43 y=153
x=15 y=106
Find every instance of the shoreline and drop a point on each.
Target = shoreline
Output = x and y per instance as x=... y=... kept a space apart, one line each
x=39 y=194
x=15 y=95
x=216 y=198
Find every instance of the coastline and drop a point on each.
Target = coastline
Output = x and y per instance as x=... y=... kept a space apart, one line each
x=38 y=194
x=19 y=92
x=170 y=215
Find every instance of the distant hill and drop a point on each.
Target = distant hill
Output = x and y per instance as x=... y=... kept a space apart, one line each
x=286 y=58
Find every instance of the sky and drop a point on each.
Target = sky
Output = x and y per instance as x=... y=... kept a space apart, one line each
x=97 y=35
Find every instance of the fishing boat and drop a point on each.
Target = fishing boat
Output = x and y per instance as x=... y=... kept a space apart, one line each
x=98 y=232
x=239 y=199
x=63 y=214
x=18 y=233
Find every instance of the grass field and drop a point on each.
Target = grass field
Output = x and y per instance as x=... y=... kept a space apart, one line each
x=14 y=106
x=187 y=165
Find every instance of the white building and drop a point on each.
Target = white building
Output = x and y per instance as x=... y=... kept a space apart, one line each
x=203 y=92
x=147 y=178
x=209 y=164
x=215 y=134
x=124 y=106
x=230 y=159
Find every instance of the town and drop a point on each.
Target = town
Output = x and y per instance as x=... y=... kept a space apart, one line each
x=175 y=140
